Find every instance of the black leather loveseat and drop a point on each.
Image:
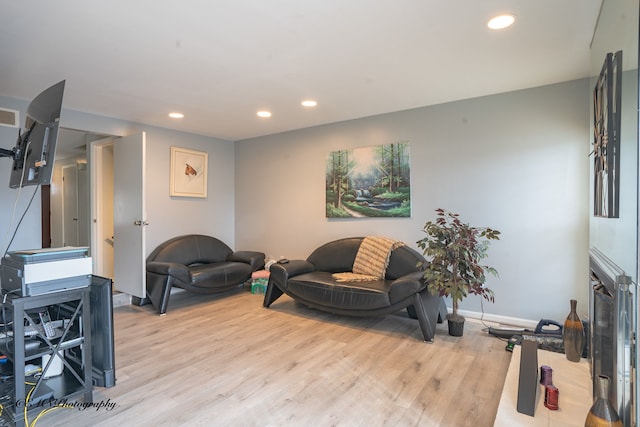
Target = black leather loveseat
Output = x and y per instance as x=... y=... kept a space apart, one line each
x=197 y=263
x=313 y=283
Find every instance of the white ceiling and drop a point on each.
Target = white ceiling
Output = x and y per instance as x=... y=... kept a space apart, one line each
x=219 y=61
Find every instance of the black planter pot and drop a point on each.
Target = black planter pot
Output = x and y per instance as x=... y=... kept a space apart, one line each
x=456 y=327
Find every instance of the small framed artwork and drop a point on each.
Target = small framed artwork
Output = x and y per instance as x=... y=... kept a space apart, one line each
x=188 y=173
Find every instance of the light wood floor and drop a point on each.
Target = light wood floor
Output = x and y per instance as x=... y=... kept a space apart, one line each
x=224 y=360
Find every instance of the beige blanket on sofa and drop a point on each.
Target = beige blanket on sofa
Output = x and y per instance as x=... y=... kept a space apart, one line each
x=371 y=260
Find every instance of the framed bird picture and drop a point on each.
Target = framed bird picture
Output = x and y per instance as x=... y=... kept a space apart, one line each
x=188 y=176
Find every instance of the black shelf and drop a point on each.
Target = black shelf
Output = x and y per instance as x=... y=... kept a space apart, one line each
x=71 y=308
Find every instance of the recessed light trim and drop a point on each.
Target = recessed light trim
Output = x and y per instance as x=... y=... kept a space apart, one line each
x=309 y=103
x=264 y=114
x=176 y=115
x=501 y=21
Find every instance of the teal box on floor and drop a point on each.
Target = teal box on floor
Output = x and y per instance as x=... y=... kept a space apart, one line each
x=259 y=286
x=259 y=281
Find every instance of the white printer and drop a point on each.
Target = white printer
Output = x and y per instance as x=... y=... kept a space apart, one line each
x=40 y=271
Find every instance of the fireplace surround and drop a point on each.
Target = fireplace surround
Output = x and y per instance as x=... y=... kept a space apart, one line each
x=612 y=323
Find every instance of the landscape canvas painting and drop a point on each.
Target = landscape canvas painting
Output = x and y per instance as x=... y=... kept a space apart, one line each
x=369 y=182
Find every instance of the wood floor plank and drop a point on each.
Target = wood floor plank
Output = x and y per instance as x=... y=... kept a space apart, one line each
x=224 y=360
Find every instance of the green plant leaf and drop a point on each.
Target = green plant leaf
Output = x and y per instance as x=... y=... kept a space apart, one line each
x=454 y=249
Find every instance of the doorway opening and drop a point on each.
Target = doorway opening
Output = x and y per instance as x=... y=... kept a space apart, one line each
x=68 y=217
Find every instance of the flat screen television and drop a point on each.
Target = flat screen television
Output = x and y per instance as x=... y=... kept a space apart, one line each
x=34 y=153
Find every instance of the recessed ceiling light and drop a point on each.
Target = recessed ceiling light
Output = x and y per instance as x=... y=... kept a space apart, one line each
x=264 y=113
x=309 y=103
x=501 y=21
x=176 y=115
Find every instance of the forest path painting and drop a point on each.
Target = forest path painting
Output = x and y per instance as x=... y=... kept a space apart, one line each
x=369 y=182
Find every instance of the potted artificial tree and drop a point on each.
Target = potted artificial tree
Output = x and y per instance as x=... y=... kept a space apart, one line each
x=454 y=251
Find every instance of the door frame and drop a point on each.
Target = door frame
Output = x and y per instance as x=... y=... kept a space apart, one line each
x=95 y=158
x=45 y=214
x=69 y=190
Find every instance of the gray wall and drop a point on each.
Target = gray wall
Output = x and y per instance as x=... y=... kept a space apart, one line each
x=167 y=216
x=29 y=233
x=617 y=30
x=173 y=216
x=516 y=162
x=617 y=237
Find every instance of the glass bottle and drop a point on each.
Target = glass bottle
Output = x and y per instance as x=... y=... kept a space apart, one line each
x=602 y=413
x=573 y=334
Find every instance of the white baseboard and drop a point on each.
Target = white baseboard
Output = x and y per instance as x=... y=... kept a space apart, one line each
x=498 y=319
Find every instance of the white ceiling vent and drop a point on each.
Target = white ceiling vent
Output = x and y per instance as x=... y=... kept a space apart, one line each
x=9 y=118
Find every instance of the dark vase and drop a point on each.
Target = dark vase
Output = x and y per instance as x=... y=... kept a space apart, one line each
x=602 y=413
x=456 y=327
x=573 y=334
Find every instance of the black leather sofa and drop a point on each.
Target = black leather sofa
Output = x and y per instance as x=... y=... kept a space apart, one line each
x=311 y=282
x=196 y=263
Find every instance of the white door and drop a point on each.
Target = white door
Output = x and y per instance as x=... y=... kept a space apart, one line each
x=101 y=174
x=70 y=205
x=129 y=215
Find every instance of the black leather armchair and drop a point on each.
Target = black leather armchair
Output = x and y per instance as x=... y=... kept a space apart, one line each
x=311 y=282
x=197 y=263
